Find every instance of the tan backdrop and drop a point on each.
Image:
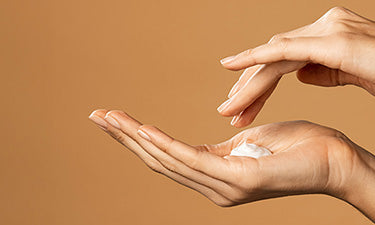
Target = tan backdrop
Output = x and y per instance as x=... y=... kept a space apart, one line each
x=158 y=60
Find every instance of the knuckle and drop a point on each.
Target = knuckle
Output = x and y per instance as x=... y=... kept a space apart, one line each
x=169 y=145
x=170 y=166
x=121 y=138
x=275 y=37
x=337 y=12
x=339 y=25
x=118 y=136
x=247 y=52
x=194 y=162
x=284 y=45
x=154 y=166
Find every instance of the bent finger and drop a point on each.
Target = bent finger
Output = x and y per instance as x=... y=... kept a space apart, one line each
x=255 y=87
x=249 y=114
x=310 y=49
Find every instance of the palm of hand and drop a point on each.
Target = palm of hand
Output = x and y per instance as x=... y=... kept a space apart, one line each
x=304 y=156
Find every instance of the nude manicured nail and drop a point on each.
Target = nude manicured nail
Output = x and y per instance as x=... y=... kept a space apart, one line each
x=235 y=120
x=144 y=135
x=99 y=121
x=227 y=59
x=112 y=121
x=223 y=106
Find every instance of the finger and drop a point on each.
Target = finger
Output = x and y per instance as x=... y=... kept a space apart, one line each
x=130 y=127
x=248 y=115
x=311 y=49
x=246 y=75
x=305 y=31
x=97 y=117
x=205 y=162
x=255 y=87
x=153 y=163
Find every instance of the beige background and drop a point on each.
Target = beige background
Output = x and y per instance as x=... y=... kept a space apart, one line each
x=157 y=60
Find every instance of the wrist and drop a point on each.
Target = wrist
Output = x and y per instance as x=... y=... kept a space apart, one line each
x=356 y=179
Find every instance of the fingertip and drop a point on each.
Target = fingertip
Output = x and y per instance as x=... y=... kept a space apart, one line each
x=233 y=67
x=97 y=117
x=111 y=118
x=227 y=60
x=115 y=113
x=239 y=125
x=228 y=112
x=151 y=131
x=143 y=134
x=121 y=115
x=224 y=114
x=147 y=128
x=224 y=108
x=98 y=112
x=241 y=120
x=229 y=63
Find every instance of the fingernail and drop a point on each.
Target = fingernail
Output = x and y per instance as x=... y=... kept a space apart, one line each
x=227 y=59
x=99 y=121
x=234 y=89
x=112 y=121
x=223 y=106
x=234 y=120
x=226 y=157
x=144 y=135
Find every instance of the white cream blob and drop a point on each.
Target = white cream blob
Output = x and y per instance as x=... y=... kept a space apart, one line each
x=250 y=150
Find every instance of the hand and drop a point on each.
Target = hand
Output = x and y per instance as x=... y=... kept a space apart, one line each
x=307 y=158
x=337 y=49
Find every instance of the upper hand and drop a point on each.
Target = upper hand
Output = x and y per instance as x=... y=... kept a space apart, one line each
x=337 y=49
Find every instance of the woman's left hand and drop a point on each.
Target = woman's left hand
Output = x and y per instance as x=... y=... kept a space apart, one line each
x=337 y=49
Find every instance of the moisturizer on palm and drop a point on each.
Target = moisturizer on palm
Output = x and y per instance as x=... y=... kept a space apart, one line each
x=250 y=150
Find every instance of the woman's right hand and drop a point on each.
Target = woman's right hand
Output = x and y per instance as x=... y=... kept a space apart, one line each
x=307 y=158
x=337 y=49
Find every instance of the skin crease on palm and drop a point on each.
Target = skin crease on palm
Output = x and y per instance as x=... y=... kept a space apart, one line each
x=307 y=158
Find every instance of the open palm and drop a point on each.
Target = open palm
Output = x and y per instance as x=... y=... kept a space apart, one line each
x=306 y=159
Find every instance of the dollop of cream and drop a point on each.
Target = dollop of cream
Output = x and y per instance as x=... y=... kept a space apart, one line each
x=250 y=150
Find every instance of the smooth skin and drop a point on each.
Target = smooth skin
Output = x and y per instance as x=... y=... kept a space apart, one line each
x=337 y=49
x=307 y=158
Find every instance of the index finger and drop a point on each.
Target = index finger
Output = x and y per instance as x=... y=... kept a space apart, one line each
x=263 y=80
x=313 y=49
